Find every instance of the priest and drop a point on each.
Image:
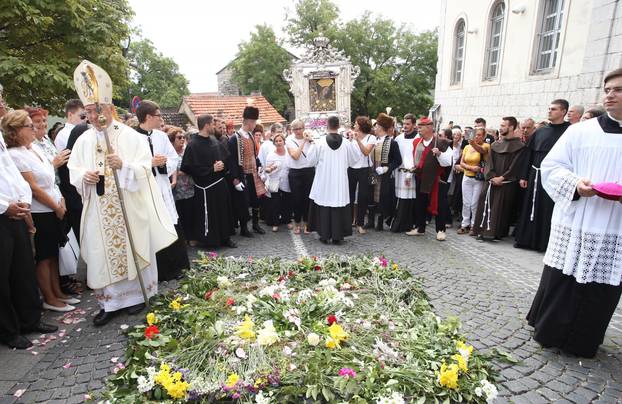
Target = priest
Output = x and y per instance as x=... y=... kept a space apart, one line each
x=329 y=214
x=405 y=186
x=243 y=165
x=205 y=161
x=112 y=263
x=497 y=199
x=580 y=285
x=173 y=259
x=534 y=225
x=430 y=154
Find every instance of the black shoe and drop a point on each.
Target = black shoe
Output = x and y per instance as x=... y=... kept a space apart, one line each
x=323 y=241
x=135 y=309
x=379 y=225
x=230 y=243
x=19 y=342
x=257 y=229
x=337 y=242
x=42 y=328
x=244 y=231
x=104 y=317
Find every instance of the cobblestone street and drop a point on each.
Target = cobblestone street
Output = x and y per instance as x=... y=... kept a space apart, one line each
x=489 y=286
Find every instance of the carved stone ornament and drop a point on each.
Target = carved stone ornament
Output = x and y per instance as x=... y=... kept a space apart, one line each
x=322 y=53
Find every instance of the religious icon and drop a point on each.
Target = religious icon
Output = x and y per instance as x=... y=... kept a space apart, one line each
x=322 y=94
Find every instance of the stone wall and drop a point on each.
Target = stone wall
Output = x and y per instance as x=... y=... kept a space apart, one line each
x=591 y=44
x=226 y=86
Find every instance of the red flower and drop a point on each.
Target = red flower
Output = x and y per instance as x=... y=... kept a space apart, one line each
x=291 y=274
x=230 y=301
x=276 y=296
x=281 y=278
x=208 y=294
x=331 y=319
x=151 y=331
x=318 y=268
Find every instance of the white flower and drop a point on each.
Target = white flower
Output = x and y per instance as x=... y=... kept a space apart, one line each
x=240 y=353
x=292 y=367
x=384 y=351
x=240 y=310
x=394 y=398
x=261 y=399
x=366 y=324
x=478 y=391
x=304 y=296
x=202 y=386
x=287 y=351
x=267 y=335
x=346 y=286
x=490 y=390
x=223 y=282
x=145 y=384
x=293 y=316
x=124 y=326
x=313 y=339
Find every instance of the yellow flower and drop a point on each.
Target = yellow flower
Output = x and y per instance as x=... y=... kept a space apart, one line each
x=331 y=343
x=448 y=377
x=394 y=266
x=245 y=329
x=464 y=349
x=176 y=305
x=151 y=318
x=232 y=380
x=267 y=335
x=462 y=363
x=337 y=333
x=165 y=368
x=177 y=390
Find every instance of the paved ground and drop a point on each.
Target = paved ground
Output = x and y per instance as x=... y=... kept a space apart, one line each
x=488 y=285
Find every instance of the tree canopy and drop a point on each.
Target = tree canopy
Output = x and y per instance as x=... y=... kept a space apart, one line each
x=154 y=76
x=259 y=66
x=42 y=42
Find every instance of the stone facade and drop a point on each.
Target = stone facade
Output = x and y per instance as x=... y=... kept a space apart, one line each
x=226 y=85
x=590 y=45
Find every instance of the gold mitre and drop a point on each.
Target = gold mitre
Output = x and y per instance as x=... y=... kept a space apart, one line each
x=92 y=84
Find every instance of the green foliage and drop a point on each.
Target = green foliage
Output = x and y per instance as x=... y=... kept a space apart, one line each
x=398 y=67
x=42 y=42
x=259 y=66
x=154 y=76
x=310 y=19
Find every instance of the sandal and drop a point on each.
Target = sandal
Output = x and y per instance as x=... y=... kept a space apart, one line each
x=297 y=230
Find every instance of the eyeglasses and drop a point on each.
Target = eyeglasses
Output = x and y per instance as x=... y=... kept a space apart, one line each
x=297 y=128
x=31 y=126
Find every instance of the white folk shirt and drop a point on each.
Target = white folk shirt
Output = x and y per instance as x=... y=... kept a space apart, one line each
x=405 y=186
x=13 y=187
x=586 y=234
x=163 y=146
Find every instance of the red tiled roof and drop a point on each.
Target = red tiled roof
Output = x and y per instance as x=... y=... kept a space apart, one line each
x=231 y=107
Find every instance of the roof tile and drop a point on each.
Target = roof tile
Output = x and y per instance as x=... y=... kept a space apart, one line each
x=231 y=107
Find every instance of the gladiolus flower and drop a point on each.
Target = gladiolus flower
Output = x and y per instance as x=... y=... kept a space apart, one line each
x=317 y=268
x=347 y=373
x=151 y=331
x=462 y=363
x=230 y=301
x=331 y=343
x=208 y=294
x=337 y=333
x=331 y=319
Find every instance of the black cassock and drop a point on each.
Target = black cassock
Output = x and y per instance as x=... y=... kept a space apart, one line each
x=211 y=191
x=534 y=225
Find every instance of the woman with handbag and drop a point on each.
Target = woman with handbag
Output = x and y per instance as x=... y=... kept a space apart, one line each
x=360 y=173
x=277 y=184
x=474 y=157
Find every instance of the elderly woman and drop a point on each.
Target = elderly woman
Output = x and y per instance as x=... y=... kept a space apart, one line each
x=278 y=211
x=39 y=117
x=183 y=186
x=48 y=206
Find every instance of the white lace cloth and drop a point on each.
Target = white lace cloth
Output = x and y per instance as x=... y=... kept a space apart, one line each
x=586 y=234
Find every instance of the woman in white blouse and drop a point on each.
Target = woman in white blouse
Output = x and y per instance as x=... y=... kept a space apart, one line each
x=48 y=207
x=279 y=211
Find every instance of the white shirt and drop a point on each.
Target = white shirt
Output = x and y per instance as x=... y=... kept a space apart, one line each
x=34 y=160
x=364 y=161
x=282 y=169
x=303 y=161
x=63 y=137
x=266 y=148
x=13 y=187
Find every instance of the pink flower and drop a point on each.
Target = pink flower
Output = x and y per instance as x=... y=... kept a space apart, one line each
x=347 y=373
x=212 y=254
x=383 y=262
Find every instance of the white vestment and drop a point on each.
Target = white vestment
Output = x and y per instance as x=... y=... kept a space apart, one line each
x=105 y=246
x=404 y=181
x=163 y=146
x=586 y=234
x=330 y=184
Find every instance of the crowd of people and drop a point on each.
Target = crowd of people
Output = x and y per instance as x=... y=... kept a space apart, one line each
x=136 y=192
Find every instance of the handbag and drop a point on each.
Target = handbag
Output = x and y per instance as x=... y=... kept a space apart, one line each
x=372 y=177
x=479 y=176
x=68 y=256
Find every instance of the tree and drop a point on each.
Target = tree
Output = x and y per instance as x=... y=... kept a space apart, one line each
x=154 y=77
x=42 y=42
x=310 y=19
x=398 y=67
x=259 y=66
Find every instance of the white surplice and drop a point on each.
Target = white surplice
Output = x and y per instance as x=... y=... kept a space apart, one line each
x=111 y=269
x=330 y=184
x=163 y=146
x=586 y=234
x=405 y=182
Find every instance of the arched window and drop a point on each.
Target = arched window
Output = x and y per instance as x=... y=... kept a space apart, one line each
x=549 y=32
x=493 y=47
x=458 y=55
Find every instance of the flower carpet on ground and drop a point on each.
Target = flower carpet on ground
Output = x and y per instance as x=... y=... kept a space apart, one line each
x=340 y=329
